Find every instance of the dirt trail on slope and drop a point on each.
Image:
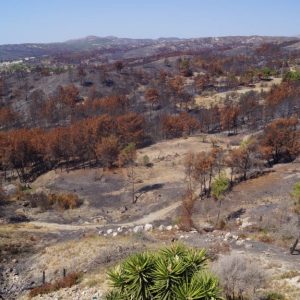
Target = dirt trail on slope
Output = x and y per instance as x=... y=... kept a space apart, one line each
x=154 y=216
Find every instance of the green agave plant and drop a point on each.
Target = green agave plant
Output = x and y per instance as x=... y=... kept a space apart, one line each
x=168 y=274
x=133 y=278
x=172 y=273
x=175 y=250
x=202 y=286
x=114 y=295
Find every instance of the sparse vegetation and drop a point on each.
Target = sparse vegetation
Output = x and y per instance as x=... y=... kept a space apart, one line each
x=239 y=277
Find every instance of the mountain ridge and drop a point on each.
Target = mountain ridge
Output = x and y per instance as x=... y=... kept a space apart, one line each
x=92 y=42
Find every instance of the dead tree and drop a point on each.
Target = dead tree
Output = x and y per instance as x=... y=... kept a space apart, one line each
x=132 y=179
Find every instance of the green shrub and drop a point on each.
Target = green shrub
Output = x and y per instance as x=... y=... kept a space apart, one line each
x=171 y=273
x=296 y=196
x=292 y=76
x=219 y=186
x=146 y=160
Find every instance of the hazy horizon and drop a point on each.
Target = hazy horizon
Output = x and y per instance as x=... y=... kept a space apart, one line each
x=36 y=21
x=145 y=38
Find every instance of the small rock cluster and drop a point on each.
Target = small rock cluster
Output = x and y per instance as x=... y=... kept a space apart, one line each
x=135 y=229
x=10 y=281
x=235 y=238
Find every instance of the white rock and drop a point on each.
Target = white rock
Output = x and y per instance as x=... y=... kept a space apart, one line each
x=109 y=231
x=176 y=227
x=120 y=229
x=227 y=236
x=181 y=237
x=245 y=223
x=239 y=242
x=170 y=227
x=138 y=228
x=100 y=232
x=114 y=234
x=148 y=227
x=235 y=237
x=161 y=228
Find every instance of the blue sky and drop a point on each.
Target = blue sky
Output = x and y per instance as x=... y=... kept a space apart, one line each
x=59 y=20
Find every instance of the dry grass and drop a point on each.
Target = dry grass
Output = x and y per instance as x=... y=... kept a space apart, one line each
x=218 y=98
x=86 y=253
x=265 y=238
x=219 y=248
x=66 y=282
x=185 y=221
x=59 y=201
x=93 y=279
x=13 y=242
x=288 y=289
x=64 y=201
x=290 y=274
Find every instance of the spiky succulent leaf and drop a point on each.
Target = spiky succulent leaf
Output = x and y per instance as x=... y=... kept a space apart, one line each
x=203 y=286
x=114 y=295
x=168 y=274
x=176 y=249
x=137 y=271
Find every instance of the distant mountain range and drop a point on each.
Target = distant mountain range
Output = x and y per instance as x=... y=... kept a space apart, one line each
x=89 y=43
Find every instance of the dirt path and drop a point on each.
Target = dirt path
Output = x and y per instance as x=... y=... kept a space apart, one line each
x=154 y=216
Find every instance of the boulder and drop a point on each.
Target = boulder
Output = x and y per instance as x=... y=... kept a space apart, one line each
x=170 y=227
x=148 y=227
x=161 y=228
x=235 y=237
x=138 y=228
x=245 y=223
x=239 y=242
x=109 y=231
x=227 y=236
